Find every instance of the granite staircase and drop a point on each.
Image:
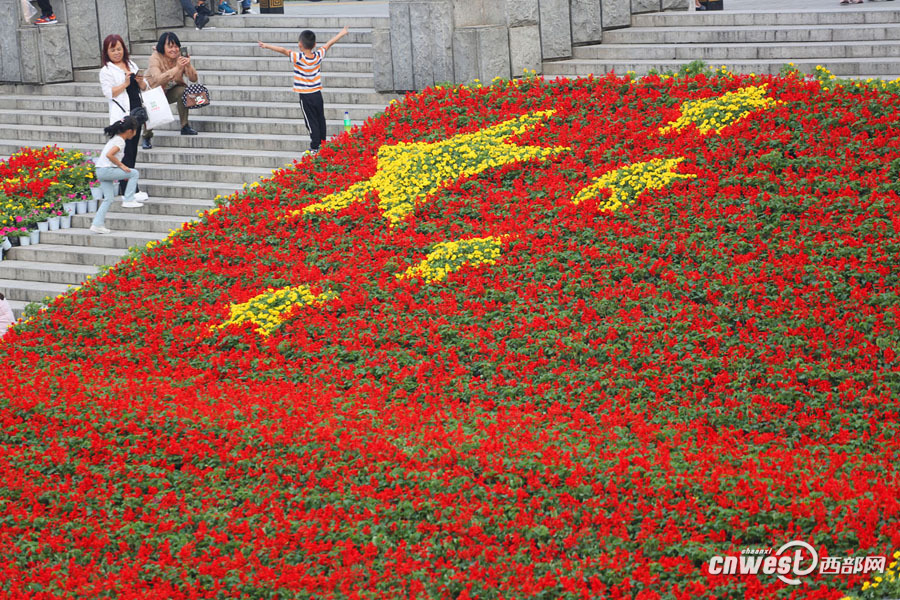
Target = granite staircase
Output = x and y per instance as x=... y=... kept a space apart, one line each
x=854 y=44
x=253 y=126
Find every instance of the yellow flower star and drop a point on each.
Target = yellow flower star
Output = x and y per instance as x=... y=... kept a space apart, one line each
x=408 y=173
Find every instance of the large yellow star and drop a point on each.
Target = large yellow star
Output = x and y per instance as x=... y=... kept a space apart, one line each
x=408 y=173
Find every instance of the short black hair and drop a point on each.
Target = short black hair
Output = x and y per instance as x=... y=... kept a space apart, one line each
x=164 y=39
x=2 y=297
x=307 y=39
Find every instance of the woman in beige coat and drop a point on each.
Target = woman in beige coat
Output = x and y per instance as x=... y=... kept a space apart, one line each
x=168 y=68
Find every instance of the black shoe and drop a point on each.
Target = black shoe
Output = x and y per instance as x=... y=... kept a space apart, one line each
x=188 y=130
x=146 y=145
x=245 y=11
x=201 y=20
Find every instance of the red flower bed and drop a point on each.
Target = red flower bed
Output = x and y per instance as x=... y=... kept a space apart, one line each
x=567 y=401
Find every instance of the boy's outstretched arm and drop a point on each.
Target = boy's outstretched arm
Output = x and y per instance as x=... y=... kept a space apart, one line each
x=331 y=42
x=277 y=49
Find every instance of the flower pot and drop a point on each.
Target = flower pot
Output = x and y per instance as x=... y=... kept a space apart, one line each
x=35 y=237
x=70 y=207
x=4 y=243
x=97 y=193
x=54 y=223
x=92 y=205
x=44 y=226
x=25 y=240
x=80 y=207
x=65 y=221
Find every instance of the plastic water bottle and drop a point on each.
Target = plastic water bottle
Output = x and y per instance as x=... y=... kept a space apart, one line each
x=347 y=125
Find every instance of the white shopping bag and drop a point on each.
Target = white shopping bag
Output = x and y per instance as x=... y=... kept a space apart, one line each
x=158 y=111
x=28 y=11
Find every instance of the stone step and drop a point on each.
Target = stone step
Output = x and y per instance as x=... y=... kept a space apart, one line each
x=223 y=108
x=130 y=230
x=218 y=145
x=271 y=64
x=253 y=79
x=281 y=36
x=788 y=51
x=232 y=93
x=323 y=26
x=223 y=128
x=30 y=291
x=757 y=34
x=249 y=50
x=169 y=145
x=171 y=207
x=65 y=254
x=871 y=67
x=821 y=16
x=197 y=190
x=22 y=270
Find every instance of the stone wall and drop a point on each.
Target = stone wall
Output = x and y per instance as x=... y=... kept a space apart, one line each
x=491 y=38
x=50 y=54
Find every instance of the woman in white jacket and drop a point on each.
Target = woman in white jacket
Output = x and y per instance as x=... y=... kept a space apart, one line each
x=122 y=83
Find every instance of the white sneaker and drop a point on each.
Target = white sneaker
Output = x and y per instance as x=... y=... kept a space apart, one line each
x=98 y=229
x=141 y=197
x=132 y=205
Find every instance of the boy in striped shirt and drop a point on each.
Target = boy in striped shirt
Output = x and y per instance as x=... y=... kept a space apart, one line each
x=308 y=81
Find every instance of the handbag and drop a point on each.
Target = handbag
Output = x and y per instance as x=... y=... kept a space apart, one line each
x=138 y=112
x=195 y=96
x=157 y=106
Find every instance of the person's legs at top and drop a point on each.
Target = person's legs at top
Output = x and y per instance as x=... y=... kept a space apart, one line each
x=47 y=17
x=225 y=9
x=189 y=10
x=199 y=13
x=129 y=158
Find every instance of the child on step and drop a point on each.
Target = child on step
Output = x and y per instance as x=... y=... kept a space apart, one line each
x=308 y=81
x=109 y=168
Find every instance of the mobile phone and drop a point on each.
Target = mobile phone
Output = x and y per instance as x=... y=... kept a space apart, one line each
x=184 y=51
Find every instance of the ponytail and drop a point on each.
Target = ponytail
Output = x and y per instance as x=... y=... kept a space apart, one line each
x=127 y=122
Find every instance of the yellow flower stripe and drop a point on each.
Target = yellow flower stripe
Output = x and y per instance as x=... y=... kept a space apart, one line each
x=410 y=172
x=269 y=310
x=714 y=114
x=628 y=182
x=447 y=257
x=892 y=575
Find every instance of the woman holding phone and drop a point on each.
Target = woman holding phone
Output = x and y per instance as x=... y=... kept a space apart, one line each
x=169 y=65
x=121 y=83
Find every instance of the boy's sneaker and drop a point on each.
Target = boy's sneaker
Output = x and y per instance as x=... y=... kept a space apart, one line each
x=225 y=9
x=246 y=11
x=99 y=229
x=141 y=196
x=48 y=20
x=200 y=21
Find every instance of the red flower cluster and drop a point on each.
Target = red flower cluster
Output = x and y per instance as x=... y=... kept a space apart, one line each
x=616 y=398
